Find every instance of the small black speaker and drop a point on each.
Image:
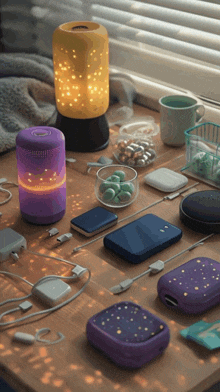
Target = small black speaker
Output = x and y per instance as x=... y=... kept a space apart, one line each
x=200 y=211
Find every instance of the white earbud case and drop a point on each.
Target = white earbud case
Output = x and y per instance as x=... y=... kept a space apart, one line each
x=165 y=180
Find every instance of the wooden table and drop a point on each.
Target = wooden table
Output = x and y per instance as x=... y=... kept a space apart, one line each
x=73 y=365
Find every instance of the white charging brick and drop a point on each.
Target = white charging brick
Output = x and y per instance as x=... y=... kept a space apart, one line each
x=51 y=291
x=10 y=241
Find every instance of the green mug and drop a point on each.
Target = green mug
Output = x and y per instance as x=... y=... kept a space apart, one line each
x=178 y=113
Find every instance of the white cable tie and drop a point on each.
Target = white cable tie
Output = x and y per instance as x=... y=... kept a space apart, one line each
x=79 y=271
x=0 y=213
x=123 y=286
x=53 y=231
x=64 y=237
x=157 y=266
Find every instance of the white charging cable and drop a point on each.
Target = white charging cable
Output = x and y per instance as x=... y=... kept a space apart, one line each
x=24 y=306
x=5 y=182
x=154 y=268
x=8 y=301
x=26 y=338
x=55 y=258
x=78 y=271
x=168 y=197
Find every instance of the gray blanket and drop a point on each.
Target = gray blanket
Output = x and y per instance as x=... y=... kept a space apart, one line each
x=27 y=95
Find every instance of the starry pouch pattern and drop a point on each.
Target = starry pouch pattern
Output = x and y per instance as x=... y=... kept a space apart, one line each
x=128 y=334
x=194 y=286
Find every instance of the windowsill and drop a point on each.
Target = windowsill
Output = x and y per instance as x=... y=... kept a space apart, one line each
x=149 y=92
x=200 y=78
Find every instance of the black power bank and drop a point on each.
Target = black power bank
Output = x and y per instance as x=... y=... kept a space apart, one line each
x=143 y=238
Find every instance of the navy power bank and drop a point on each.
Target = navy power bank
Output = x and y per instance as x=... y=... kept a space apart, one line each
x=94 y=221
x=142 y=238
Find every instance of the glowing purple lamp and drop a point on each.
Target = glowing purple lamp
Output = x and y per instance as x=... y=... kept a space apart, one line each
x=40 y=153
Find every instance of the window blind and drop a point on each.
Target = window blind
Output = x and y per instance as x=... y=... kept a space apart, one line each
x=174 y=41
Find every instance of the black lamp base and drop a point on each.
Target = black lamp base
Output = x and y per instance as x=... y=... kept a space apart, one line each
x=84 y=135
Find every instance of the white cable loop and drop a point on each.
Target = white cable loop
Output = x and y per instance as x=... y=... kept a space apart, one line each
x=16 y=276
x=8 y=301
x=42 y=279
x=9 y=312
x=9 y=197
x=51 y=309
x=5 y=182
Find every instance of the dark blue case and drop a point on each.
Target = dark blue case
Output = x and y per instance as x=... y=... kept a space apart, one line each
x=94 y=221
x=142 y=238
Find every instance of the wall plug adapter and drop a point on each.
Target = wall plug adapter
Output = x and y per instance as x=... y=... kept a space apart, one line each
x=10 y=243
x=51 y=291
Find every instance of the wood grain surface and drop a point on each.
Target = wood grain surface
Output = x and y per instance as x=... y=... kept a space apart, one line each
x=73 y=365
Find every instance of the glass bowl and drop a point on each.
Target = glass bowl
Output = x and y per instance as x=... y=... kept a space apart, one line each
x=142 y=127
x=134 y=151
x=116 y=185
x=134 y=146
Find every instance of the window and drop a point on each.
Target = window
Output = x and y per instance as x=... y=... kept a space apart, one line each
x=174 y=42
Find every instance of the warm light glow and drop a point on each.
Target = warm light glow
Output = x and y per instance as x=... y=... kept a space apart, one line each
x=58 y=383
x=89 y=379
x=44 y=186
x=80 y=68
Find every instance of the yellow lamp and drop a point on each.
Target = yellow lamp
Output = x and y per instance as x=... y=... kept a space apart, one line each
x=81 y=78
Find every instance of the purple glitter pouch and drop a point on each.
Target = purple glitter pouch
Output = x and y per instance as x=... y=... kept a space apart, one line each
x=128 y=334
x=192 y=288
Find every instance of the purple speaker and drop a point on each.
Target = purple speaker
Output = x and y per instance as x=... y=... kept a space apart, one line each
x=40 y=153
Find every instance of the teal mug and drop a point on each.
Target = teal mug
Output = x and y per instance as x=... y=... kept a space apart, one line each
x=178 y=113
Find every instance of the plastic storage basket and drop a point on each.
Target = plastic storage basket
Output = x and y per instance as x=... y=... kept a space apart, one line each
x=203 y=153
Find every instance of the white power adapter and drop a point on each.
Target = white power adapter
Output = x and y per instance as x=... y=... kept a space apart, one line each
x=50 y=291
x=10 y=241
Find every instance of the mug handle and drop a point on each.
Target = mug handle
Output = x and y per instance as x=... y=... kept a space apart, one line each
x=199 y=115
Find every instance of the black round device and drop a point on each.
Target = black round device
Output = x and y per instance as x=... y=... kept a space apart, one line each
x=200 y=211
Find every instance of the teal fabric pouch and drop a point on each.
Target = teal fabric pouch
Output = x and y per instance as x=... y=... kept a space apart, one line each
x=205 y=334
